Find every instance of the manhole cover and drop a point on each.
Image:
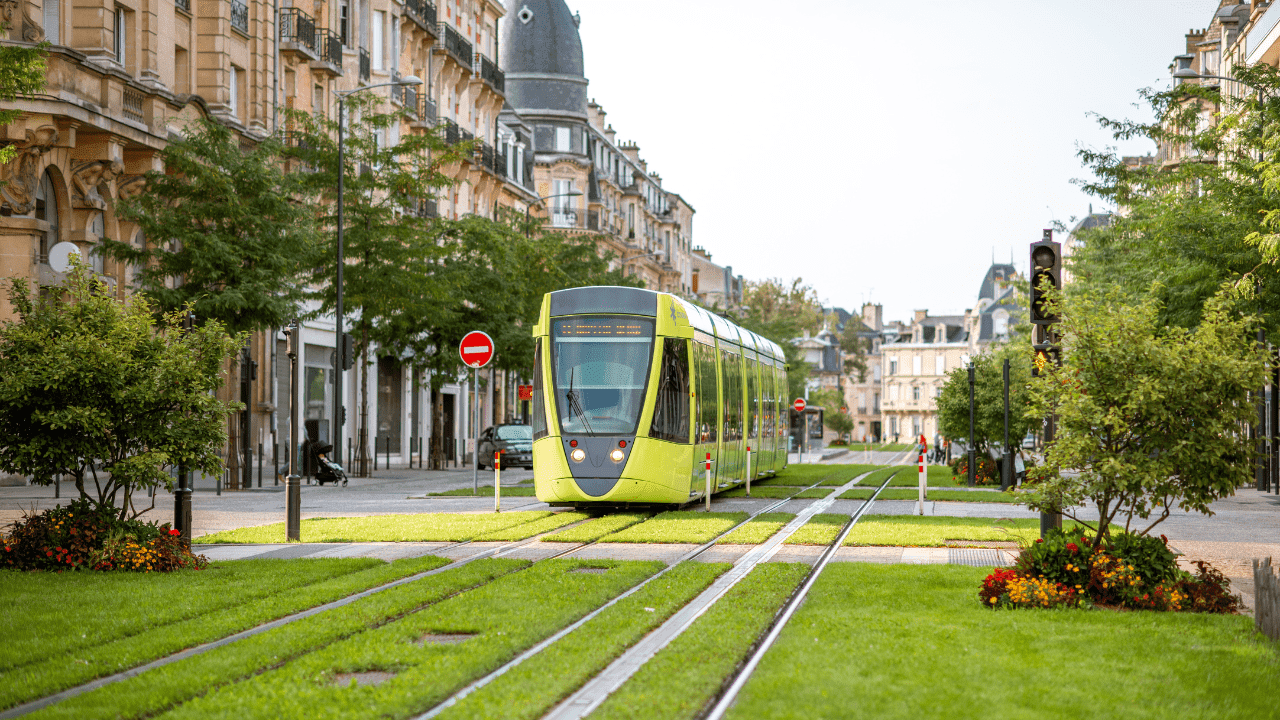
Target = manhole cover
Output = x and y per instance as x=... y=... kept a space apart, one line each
x=590 y=570
x=445 y=639
x=368 y=677
x=975 y=557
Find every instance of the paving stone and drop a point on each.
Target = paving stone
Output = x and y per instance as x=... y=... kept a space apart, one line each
x=924 y=556
x=884 y=555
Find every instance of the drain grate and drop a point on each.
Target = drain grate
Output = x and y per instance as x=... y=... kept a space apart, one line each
x=977 y=557
x=370 y=677
x=445 y=639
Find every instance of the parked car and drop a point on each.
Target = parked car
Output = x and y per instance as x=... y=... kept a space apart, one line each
x=1029 y=442
x=514 y=441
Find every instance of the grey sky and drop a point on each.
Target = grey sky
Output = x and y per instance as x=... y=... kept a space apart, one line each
x=879 y=150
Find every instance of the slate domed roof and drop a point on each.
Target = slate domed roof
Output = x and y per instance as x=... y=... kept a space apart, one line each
x=542 y=57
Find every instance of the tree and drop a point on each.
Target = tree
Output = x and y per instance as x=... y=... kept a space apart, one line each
x=90 y=387
x=988 y=393
x=226 y=223
x=21 y=73
x=855 y=347
x=781 y=314
x=1149 y=417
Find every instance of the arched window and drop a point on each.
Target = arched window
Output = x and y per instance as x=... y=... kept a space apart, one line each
x=97 y=226
x=47 y=210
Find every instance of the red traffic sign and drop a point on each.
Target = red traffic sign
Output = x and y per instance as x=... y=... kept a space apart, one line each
x=525 y=392
x=476 y=349
x=799 y=404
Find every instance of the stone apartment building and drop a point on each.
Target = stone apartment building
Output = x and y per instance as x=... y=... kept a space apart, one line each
x=124 y=78
x=914 y=368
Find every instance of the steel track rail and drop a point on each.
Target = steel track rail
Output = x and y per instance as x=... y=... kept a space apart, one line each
x=731 y=694
x=543 y=645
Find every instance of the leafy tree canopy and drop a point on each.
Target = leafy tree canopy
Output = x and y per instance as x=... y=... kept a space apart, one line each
x=90 y=387
x=21 y=73
x=782 y=313
x=988 y=394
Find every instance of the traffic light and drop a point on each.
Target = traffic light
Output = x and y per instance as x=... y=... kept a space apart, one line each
x=1046 y=274
x=348 y=355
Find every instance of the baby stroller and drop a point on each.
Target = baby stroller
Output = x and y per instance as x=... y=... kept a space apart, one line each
x=326 y=469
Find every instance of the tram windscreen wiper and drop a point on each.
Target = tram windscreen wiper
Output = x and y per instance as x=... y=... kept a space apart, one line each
x=575 y=406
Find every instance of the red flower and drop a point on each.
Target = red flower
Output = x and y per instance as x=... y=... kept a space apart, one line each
x=49 y=554
x=175 y=532
x=1073 y=547
x=1039 y=540
x=1165 y=539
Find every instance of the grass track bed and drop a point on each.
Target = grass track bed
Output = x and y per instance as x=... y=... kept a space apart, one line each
x=933 y=531
x=756 y=531
x=821 y=529
x=872 y=641
x=776 y=492
x=877 y=478
x=487 y=491
x=990 y=496
x=844 y=473
x=81 y=665
x=678 y=526
x=504 y=617
x=162 y=688
x=536 y=685
x=528 y=530
x=37 y=626
x=422 y=527
x=679 y=681
x=935 y=476
x=597 y=528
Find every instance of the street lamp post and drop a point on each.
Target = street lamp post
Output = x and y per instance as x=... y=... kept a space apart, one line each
x=972 y=453
x=541 y=199
x=340 y=408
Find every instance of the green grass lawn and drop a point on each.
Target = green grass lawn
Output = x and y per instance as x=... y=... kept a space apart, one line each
x=759 y=529
x=81 y=659
x=989 y=496
x=529 y=529
x=912 y=641
x=157 y=690
x=877 y=478
x=597 y=528
x=933 y=531
x=531 y=689
x=805 y=474
x=678 y=526
x=935 y=476
x=487 y=491
x=503 y=618
x=685 y=675
x=775 y=492
x=422 y=527
x=822 y=529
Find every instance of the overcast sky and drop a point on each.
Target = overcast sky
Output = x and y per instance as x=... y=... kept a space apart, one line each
x=881 y=151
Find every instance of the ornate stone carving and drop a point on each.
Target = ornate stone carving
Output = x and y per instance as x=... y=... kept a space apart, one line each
x=87 y=176
x=31 y=31
x=131 y=186
x=20 y=178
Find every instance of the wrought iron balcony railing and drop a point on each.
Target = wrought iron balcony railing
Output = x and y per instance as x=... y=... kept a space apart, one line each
x=423 y=12
x=329 y=47
x=426 y=109
x=490 y=73
x=411 y=101
x=366 y=68
x=455 y=44
x=397 y=91
x=239 y=16
x=297 y=27
x=451 y=131
x=183 y=5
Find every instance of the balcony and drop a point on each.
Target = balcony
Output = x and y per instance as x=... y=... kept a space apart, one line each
x=426 y=111
x=329 y=48
x=567 y=218
x=427 y=208
x=240 y=16
x=490 y=73
x=397 y=91
x=451 y=132
x=298 y=34
x=183 y=5
x=454 y=44
x=423 y=13
x=411 y=101
x=366 y=66
x=133 y=104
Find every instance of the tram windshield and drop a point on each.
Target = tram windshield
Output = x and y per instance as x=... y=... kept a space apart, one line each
x=601 y=365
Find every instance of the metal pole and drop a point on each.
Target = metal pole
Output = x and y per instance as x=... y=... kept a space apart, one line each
x=497 y=481
x=182 y=493
x=293 y=483
x=475 y=464
x=340 y=408
x=1274 y=480
x=1260 y=470
x=259 y=465
x=748 y=471
x=972 y=454
x=1006 y=467
x=708 y=482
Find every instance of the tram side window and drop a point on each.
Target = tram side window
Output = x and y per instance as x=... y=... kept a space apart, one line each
x=671 y=407
x=708 y=402
x=753 y=398
x=732 y=363
x=539 y=408
x=780 y=377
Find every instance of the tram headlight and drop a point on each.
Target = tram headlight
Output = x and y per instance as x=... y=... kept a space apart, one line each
x=617 y=455
x=578 y=455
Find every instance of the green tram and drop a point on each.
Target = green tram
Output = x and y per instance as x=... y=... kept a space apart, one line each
x=634 y=388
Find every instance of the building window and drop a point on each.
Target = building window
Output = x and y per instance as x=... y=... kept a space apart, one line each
x=237 y=83
x=915 y=394
x=563 y=140
x=893 y=366
x=121 y=47
x=377 y=48
x=52 y=21
x=47 y=210
x=344 y=22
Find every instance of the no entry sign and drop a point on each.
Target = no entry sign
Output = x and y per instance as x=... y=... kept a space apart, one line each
x=476 y=349
x=799 y=405
x=525 y=392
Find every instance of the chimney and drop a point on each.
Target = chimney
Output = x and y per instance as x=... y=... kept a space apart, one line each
x=921 y=315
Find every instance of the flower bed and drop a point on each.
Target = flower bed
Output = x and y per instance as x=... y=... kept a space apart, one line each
x=1130 y=571
x=80 y=537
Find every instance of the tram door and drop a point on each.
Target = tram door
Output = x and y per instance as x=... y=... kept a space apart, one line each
x=752 y=367
x=731 y=439
x=707 y=414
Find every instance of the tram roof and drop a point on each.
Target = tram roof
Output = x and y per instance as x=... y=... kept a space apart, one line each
x=722 y=329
